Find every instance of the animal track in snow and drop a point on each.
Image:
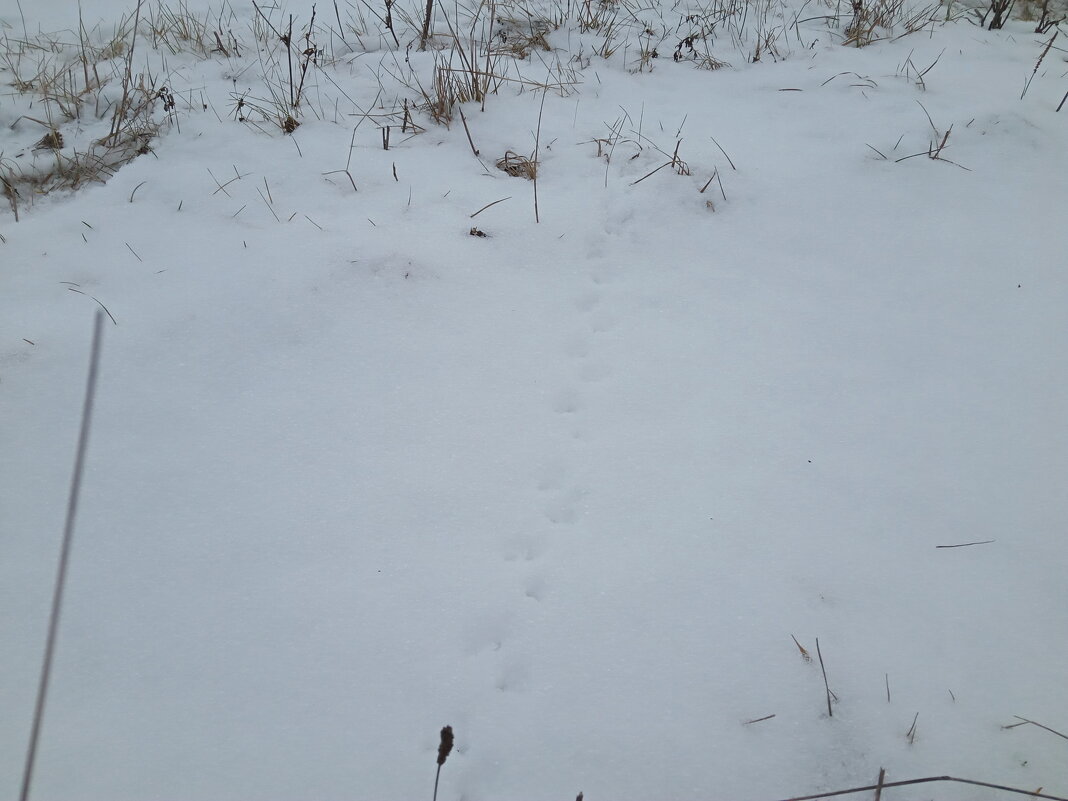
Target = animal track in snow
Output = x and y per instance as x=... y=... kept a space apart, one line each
x=564 y=509
x=524 y=548
x=513 y=675
x=576 y=346
x=592 y=373
x=534 y=588
x=487 y=633
x=588 y=301
x=602 y=322
x=567 y=402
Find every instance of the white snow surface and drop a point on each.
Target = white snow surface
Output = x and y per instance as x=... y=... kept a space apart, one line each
x=572 y=487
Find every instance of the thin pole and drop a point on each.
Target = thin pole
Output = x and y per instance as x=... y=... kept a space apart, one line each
x=64 y=557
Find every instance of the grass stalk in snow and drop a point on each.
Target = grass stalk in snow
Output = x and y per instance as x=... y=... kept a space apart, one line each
x=1038 y=63
x=1025 y=722
x=426 y=25
x=537 y=148
x=64 y=557
x=879 y=784
x=826 y=686
x=804 y=652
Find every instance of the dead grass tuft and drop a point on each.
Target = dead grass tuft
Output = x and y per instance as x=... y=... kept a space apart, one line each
x=518 y=166
x=874 y=20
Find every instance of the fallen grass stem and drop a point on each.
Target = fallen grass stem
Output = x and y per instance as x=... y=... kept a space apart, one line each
x=966 y=544
x=653 y=172
x=724 y=152
x=132 y=251
x=926 y=780
x=758 y=720
x=1025 y=721
x=494 y=203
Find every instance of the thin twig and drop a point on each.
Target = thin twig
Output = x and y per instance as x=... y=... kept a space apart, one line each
x=724 y=152
x=933 y=128
x=1033 y=723
x=97 y=301
x=926 y=780
x=537 y=149
x=494 y=203
x=758 y=720
x=826 y=686
x=910 y=735
x=966 y=544
x=467 y=130
x=650 y=174
x=64 y=556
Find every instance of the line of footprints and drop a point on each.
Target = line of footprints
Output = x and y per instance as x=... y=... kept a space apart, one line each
x=560 y=487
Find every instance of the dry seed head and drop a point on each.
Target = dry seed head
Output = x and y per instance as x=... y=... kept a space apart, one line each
x=53 y=140
x=446 y=745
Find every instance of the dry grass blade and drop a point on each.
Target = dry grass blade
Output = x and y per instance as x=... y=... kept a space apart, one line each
x=826 y=686
x=494 y=203
x=758 y=720
x=1025 y=721
x=910 y=735
x=967 y=544
x=801 y=648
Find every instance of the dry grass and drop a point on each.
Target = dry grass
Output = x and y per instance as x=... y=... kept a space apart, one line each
x=882 y=19
x=81 y=85
x=518 y=38
x=96 y=77
x=518 y=166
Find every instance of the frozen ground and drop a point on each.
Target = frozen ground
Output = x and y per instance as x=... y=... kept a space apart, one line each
x=571 y=487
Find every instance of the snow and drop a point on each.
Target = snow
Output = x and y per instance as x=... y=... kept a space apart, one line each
x=572 y=487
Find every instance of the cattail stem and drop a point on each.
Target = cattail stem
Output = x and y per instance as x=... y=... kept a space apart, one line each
x=64 y=557
x=444 y=748
x=436 y=777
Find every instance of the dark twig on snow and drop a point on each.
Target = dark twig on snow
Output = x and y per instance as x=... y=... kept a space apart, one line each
x=1025 y=721
x=966 y=544
x=926 y=780
x=826 y=686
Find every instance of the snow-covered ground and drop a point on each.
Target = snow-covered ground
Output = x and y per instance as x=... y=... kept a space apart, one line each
x=573 y=487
